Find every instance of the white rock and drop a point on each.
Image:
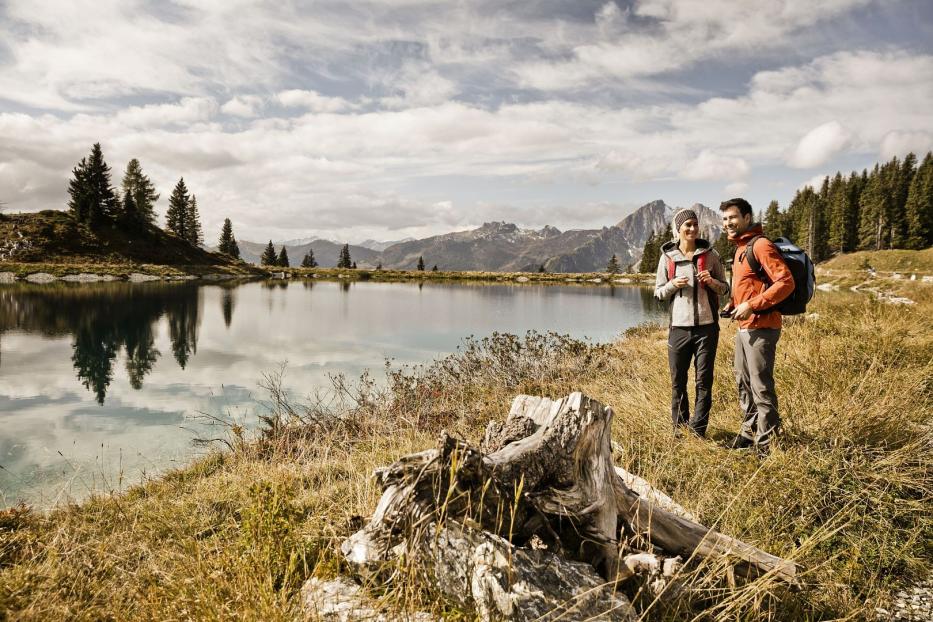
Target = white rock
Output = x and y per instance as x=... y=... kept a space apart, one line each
x=622 y=280
x=341 y=600
x=896 y=275
x=41 y=277
x=522 y=279
x=927 y=278
x=596 y=280
x=138 y=277
x=7 y=277
x=827 y=287
x=899 y=300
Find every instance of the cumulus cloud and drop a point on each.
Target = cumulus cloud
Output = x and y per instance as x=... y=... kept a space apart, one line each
x=819 y=145
x=710 y=165
x=246 y=106
x=312 y=100
x=901 y=143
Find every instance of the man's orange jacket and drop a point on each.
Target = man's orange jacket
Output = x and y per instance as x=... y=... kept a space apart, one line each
x=748 y=287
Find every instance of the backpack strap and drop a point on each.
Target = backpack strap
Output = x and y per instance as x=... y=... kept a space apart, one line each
x=753 y=261
x=701 y=266
x=671 y=268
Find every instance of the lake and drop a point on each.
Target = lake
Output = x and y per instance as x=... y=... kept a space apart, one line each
x=104 y=384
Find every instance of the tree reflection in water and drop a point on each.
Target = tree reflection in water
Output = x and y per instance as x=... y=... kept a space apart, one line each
x=103 y=318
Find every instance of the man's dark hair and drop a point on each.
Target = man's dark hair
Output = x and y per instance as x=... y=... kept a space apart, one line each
x=744 y=206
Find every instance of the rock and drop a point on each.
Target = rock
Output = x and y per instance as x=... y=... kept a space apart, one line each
x=596 y=280
x=927 y=278
x=85 y=277
x=522 y=279
x=342 y=600
x=138 y=277
x=896 y=276
x=622 y=280
x=7 y=277
x=827 y=287
x=41 y=277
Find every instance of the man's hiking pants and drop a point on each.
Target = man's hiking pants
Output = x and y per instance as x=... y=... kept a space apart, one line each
x=696 y=344
x=755 y=351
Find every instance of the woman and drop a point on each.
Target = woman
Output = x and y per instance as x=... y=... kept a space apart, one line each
x=691 y=278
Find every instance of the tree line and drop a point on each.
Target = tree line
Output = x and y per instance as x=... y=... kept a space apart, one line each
x=96 y=202
x=889 y=207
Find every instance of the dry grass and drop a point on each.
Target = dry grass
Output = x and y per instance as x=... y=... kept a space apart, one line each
x=847 y=493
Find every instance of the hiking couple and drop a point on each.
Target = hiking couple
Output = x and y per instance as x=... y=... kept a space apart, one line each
x=691 y=278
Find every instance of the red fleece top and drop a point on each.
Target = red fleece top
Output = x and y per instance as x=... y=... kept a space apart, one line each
x=748 y=287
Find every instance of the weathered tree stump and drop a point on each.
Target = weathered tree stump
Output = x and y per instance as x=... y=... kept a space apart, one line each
x=527 y=527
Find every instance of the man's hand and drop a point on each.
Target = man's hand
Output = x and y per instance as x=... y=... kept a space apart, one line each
x=742 y=312
x=680 y=282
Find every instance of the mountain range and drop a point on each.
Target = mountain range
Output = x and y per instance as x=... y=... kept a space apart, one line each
x=504 y=247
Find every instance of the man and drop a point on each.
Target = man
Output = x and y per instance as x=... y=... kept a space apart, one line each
x=753 y=299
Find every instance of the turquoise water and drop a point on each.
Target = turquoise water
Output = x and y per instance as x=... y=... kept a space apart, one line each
x=102 y=385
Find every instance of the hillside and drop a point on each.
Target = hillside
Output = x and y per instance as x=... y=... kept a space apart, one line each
x=52 y=236
x=326 y=252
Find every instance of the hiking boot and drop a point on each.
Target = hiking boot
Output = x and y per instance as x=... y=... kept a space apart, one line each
x=740 y=442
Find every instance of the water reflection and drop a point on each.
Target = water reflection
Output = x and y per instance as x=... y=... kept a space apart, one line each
x=105 y=382
x=105 y=318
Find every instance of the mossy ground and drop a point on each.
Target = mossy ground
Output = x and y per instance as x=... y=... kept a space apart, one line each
x=847 y=493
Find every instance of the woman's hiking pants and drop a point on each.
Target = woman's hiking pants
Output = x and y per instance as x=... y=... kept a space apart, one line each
x=697 y=344
x=755 y=350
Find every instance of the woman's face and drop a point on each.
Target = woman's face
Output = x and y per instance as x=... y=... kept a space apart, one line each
x=689 y=229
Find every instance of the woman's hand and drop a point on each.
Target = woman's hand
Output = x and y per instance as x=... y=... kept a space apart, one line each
x=680 y=282
x=705 y=277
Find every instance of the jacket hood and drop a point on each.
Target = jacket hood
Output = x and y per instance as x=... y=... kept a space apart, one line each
x=672 y=249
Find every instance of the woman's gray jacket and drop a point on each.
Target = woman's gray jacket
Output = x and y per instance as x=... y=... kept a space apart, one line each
x=688 y=308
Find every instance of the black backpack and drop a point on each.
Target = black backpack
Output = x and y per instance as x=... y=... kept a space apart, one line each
x=801 y=268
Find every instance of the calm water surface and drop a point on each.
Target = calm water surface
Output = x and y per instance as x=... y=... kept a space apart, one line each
x=102 y=384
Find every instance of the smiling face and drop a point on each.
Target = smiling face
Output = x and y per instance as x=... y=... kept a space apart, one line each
x=734 y=223
x=689 y=229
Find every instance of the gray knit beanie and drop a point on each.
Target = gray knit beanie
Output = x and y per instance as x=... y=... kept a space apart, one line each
x=680 y=218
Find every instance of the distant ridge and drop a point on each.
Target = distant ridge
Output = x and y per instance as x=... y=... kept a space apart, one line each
x=503 y=246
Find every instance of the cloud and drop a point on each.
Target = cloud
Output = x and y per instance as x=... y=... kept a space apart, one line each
x=710 y=165
x=901 y=143
x=815 y=182
x=246 y=106
x=736 y=188
x=819 y=145
x=311 y=100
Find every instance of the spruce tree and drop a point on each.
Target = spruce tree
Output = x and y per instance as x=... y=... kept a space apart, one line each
x=901 y=178
x=268 y=256
x=725 y=248
x=651 y=254
x=176 y=217
x=354 y=265
x=434 y=269
x=541 y=269
x=77 y=188
x=234 y=249
x=282 y=260
x=308 y=261
x=129 y=215
x=773 y=222
x=344 y=260
x=919 y=207
x=226 y=238
x=874 y=208
x=93 y=198
x=838 y=208
x=613 y=266
x=421 y=263
x=194 y=233
x=143 y=192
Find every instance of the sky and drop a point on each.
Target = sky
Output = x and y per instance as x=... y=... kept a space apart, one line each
x=409 y=118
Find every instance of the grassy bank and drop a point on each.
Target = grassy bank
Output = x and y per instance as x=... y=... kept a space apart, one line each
x=847 y=493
